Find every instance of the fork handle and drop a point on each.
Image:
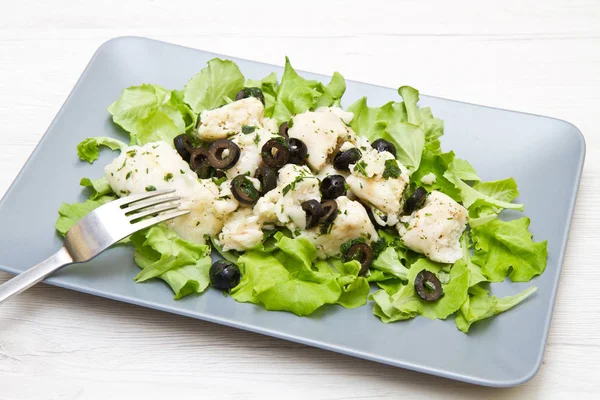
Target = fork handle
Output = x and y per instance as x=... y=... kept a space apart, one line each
x=35 y=274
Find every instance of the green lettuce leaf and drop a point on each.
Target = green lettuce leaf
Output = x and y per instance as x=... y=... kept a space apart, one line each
x=437 y=164
x=88 y=150
x=69 y=214
x=391 y=286
x=406 y=304
x=404 y=124
x=480 y=194
x=136 y=103
x=98 y=187
x=475 y=274
x=285 y=279
x=332 y=92
x=433 y=127
x=214 y=86
x=183 y=265
x=465 y=171
x=157 y=126
x=506 y=249
x=479 y=305
x=142 y=108
x=365 y=118
x=388 y=261
x=295 y=94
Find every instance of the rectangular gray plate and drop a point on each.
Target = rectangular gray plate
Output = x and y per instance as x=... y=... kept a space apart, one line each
x=544 y=155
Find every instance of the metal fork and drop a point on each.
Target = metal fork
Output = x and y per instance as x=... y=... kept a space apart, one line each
x=99 y=230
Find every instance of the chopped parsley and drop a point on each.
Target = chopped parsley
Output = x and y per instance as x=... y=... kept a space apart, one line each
x=256 y=139
x=391 y=169
x=132 y=153
x=181 y=171
x=150 y=188
x=168 y=177
x=122 y=166
x=361 y=167
x=246 y=129
x=128 y=175
x=292 y=186
x=428 y=214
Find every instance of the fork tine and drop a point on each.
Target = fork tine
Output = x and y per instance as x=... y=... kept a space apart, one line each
x=145 y=223
x=153 y=210
x=124 y=201
x=154 y=201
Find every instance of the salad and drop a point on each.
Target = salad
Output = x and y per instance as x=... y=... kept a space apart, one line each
x=308 y=203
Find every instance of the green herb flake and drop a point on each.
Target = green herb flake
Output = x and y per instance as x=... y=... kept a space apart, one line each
x=361 y=167
x=391 y=170
x=150 y=188
x=168 y=177
x=132 y=153
x=128 y=175
x=246 y=129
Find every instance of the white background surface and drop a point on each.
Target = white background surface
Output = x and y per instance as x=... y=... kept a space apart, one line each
x=536 y=56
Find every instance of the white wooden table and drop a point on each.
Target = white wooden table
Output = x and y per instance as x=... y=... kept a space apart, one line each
x=536 y=56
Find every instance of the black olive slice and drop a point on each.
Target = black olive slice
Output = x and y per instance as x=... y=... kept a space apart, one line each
x=382 y=145
x=416 y=200
x=243 y=190
x=333 y=186
x=216 y=152
x=374 y=221
x=330 y=211
x=343 y=159
x=198 y=157
x=250 y=92
x=283 y=130
x=224 y=275
x=298 y=151
x=275 y=153
x=428 y=286
x=267 y=178
x=184 y=146
x=313 y=211
x=362 y=253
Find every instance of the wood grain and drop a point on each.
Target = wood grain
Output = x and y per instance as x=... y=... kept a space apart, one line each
x=535 y=56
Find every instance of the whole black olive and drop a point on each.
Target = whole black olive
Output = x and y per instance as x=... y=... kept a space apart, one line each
x=184 y=146
x=250 y=92
x=216 y=151
x=283 y=129
x=243 y=190
x=415 y=201
x=343 y=159
x=267 y=178
x=275 y=153
x=313 y=211
x=330 y=211
x=428 y=286
x=382 y=145
x=333 y=186
x=198 y=157
x=298 y=151
x=224 y=275
x=362 y=253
